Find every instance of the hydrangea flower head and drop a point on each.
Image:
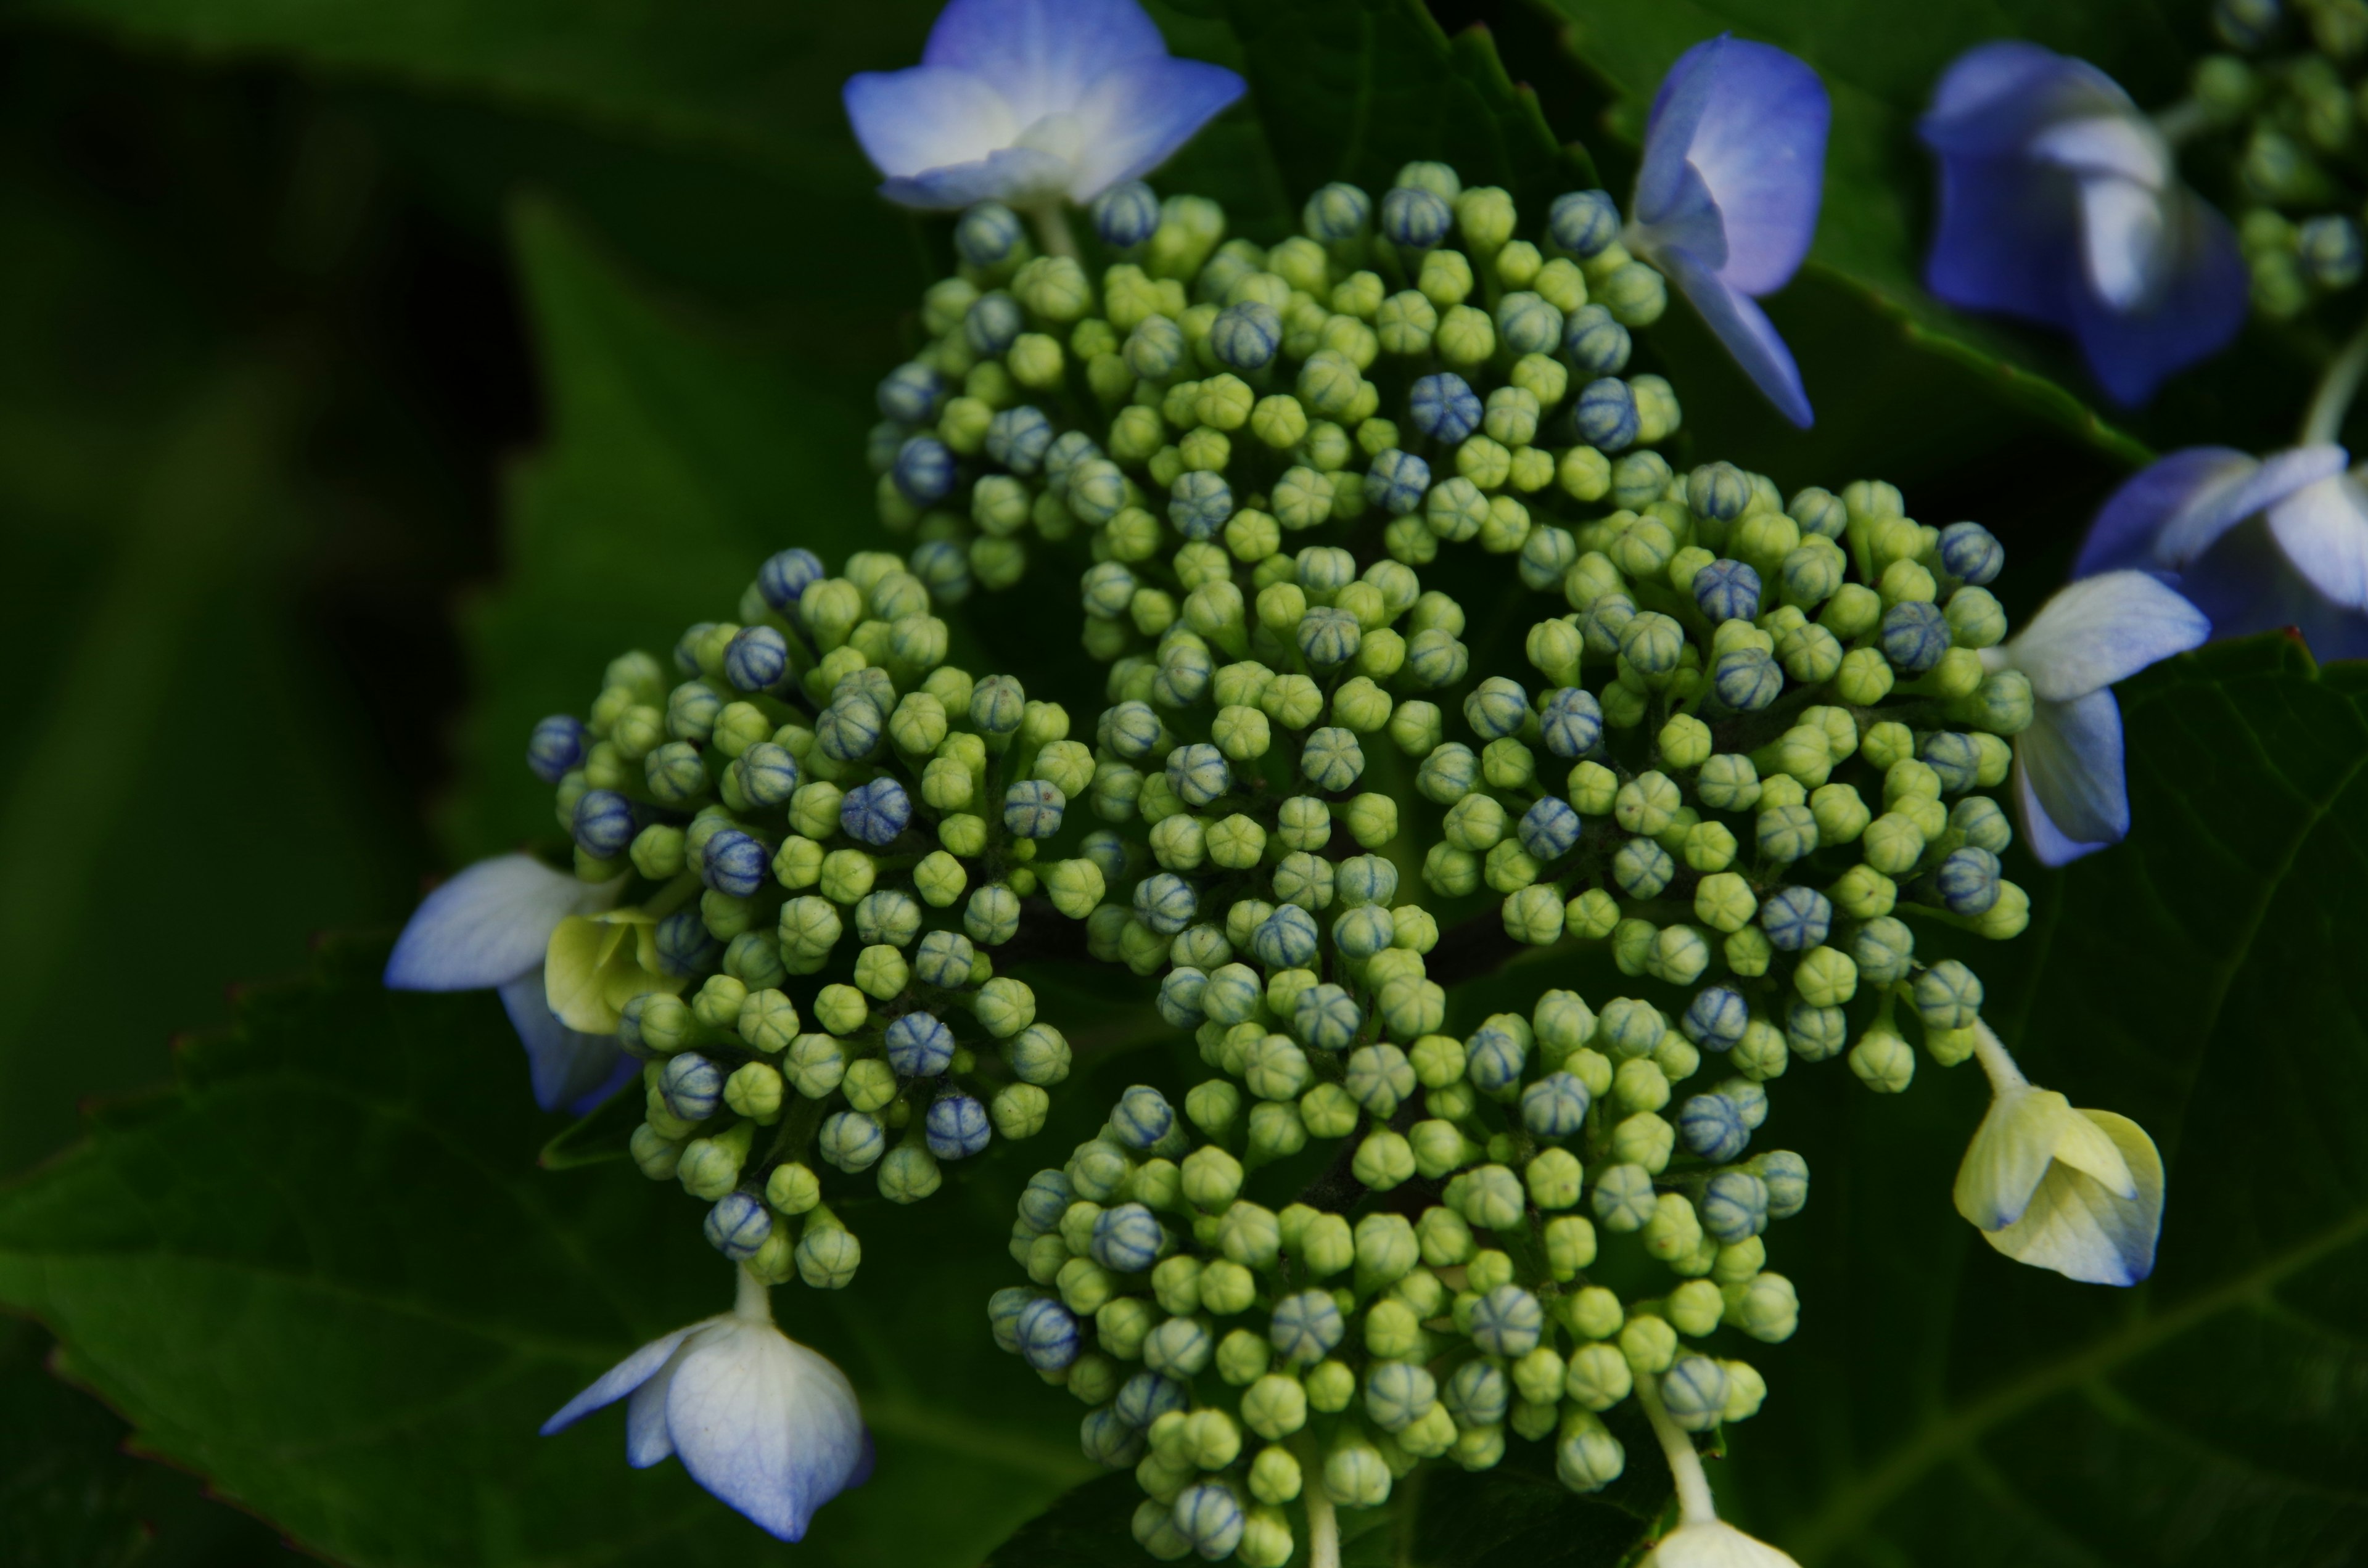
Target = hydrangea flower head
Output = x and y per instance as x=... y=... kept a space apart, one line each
x=1032 y=101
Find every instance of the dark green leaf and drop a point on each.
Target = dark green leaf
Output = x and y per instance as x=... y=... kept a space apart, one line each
x=324 y=1272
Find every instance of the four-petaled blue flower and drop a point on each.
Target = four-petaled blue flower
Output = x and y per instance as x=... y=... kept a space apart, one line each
x=2253 y=544
x=1727 y=196
x=1032 y=102
x=2060 y=203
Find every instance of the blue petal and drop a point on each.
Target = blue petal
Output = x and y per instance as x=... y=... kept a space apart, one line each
x=487 y=926
x=2101 y=629
x=2070 y=783
x=619 y=1380
x=766 y=1424
x=1747 y=333
x=2180 y=485
x=1141 y=112
x=2198 y=311
x=926 y=118
x=570 y=1071
x=1742 y=125
x=1996 y=96
x=2323 y=529
x=2246 y=585
x=1041 y=55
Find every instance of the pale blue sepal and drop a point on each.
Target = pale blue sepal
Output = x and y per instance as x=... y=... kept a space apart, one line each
x=621 y=1378
x=2101 y=629
x=2323 y=530
x=1749 y=335
x=2093 y=1220
x=1742 y=127
x=489 y=924
x=570 y=1071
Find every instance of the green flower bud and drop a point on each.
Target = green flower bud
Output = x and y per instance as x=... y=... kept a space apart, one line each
x=659 y=1156
x=1883 y=1061
x=1597 y=1377
x=1764 y=1307
x=1213 y=1178
x=1553 y=1179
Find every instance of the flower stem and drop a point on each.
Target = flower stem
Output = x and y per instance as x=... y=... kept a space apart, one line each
x=1323 y=1528
x=1694 y=1505
x=1991 y=1052
x=2181 y=121
x=1052 y=221
x=754 y=1303
x=2337 y=386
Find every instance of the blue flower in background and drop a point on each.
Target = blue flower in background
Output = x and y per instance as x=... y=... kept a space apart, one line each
x=2254 y=543
x=2060 y=203
x=2068 y=782
x=1727 y=196
x=1032 y=102
x=762 y=1422
x=488 y=929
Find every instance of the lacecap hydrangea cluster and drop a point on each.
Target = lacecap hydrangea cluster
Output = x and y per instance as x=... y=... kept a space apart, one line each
x=824 y=832
x=1741 y=746
x=2292 y=89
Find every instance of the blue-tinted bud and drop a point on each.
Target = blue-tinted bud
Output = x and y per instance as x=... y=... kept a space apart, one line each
x=1107 y=1439
x=1198 y=503
x=1507 y=1321
x=920 y=1046
x=1948 y=995
x=1606 y=415
x=734 y=863
x=1915 y=636
x=1125 y=215
x=1556 y=1106
x=1046 y=1333
x=1652 y=643
x=1134 y=730
x=1717 y=1018
x=767 y=773
x=849 y=730
x=1641 y=868
x=1210 y=1519
x=1305 y=1327
x=944 y=959
x=1444 y=407
x=755 y=658
x=1155 y=348
x=987 y=234
x=1494 y=1056
x=1069 y=450
x=1337 y=211
x=1549 y=828
x=692 y=710
x=1286 y=939
x=556 y=745
x=1199 y=774
x=1165 y=902
x=684 y=946
x=1797 y=918
x=2330 y=249
x=692 y=1085
x=1046 y=1198
x=997 y=705
x=1594 y=343
x=1584 y=222
x=1182 y=992
x=737 y=1226
x=1967 y=880
x=1497 y=708
x=993 y=323
x=1727 y=590
x=1733 y=1207
x=1571 y=722
x=1477 y=1394
x=1787 y=1178
x=1956 y=757
x=1526 y=323
x=1397 y=481
x=1414 y=218
x=1147 y=1396
x=1326 y=1017
x=1017 y=439
x=1332 y=758
x=1033 y=808
x=1747 y=678
x=888 y=915
x=1694 y=1392
x=1363 y=880
x=1971 y=554
x=925 y=469
x=604 y=823
x=1719 y=490
x=1247 y=336
x=1143 y=1116
x=876 y=813
x=1815 y=1033
x=1398 y=1393
x=1750 y=1100
x=1361 y=933
x=1127 y=1239
x=1885 y=951
x=1329 y=637
x=1712 y=1127
x=910 y=393
x=956 y=1127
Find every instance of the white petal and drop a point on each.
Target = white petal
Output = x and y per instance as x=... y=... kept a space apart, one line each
x=1713 y=1543
x=489 y=924
x=2122 y=234
x=621 y=1378
x=2078 y=1228
x=2009 y=1155
x=647 y=1442
x=2049 y=843
x=765 y=1424
x=2323 y=528
x=2071 y=760
x=2125 y=146
x=2104 y=629
x=931 y=116
x=2242 y=489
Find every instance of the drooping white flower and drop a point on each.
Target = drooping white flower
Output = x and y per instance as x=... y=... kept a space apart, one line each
x=489 y=928
x=1715 y=1543
x=1031 y=102
x=765 y=1424
x=2068 y=779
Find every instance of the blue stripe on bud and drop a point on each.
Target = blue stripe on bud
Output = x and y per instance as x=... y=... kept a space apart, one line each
x=1145 y=1397
x=1494 y=1056
x=1712 y=1127
x=1018 y=438
x=1108 y=1439
x=1641 y=868
x=1247 y=336
x=768 y=774
x=925 y=469
x=1329 y=638
x=1125 y=215
x=876 y=813
x=1915 y=636
x=1361 y=932
x=1606 y=415
x=1477 y=1394
x=1717 y=1018
x=1397 y=482
x=1326 y=1017
x=692 y=1085
x=1948 y=995
x=849 y=730
x=1594 y=343
x=1507 y=1321
x=1797 y=918
x=1497 y=708
x=684 y=946
x=604 y=823
x=1694 y=1393
x=1416 y=217
x=1305 y=1327
x=1127 y=1239
x=1181 y=990
x=786 y=576
x=737 y=1226
x=1286 y=939
x=1571 y=722
x=1727 y=590
x=910 y=394
x=1885 y=951
x=1361 y=880
x=1199 y=774
x=1556 y=1106
x=956 y=1127
x=993 y=321
x=1747 y=679
x=1337 y=212
x=1584 y=222
x=1210 y=1519
x=1332 y=759
x=987 y=234
x=734 y=863
x=1652 y=643
x=1198 y=503
x=1003 y=1310
x=851 y=1140
x=997 y=705
x=1967 y=880
x=887 y=916
x=755 y=658
x=1033 y=808
x=1750 y=1100
x=1047 y=1335
x=1720 y=490
x=1165 y=902
x=1143 y=1116
x=1444 y=407
x=944 y=959
x=920 y=1046
x=556 y=745
x=1549 y=828
x=1971 y=554
x=1046 y=1198
x=1787 y=1178
x=1733 y=1207
x=1956 y=758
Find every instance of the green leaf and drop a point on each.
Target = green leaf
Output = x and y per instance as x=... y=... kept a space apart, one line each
x=1880 y=74
x=1943 y=1405
x=324 y=1272
x=681 y=455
